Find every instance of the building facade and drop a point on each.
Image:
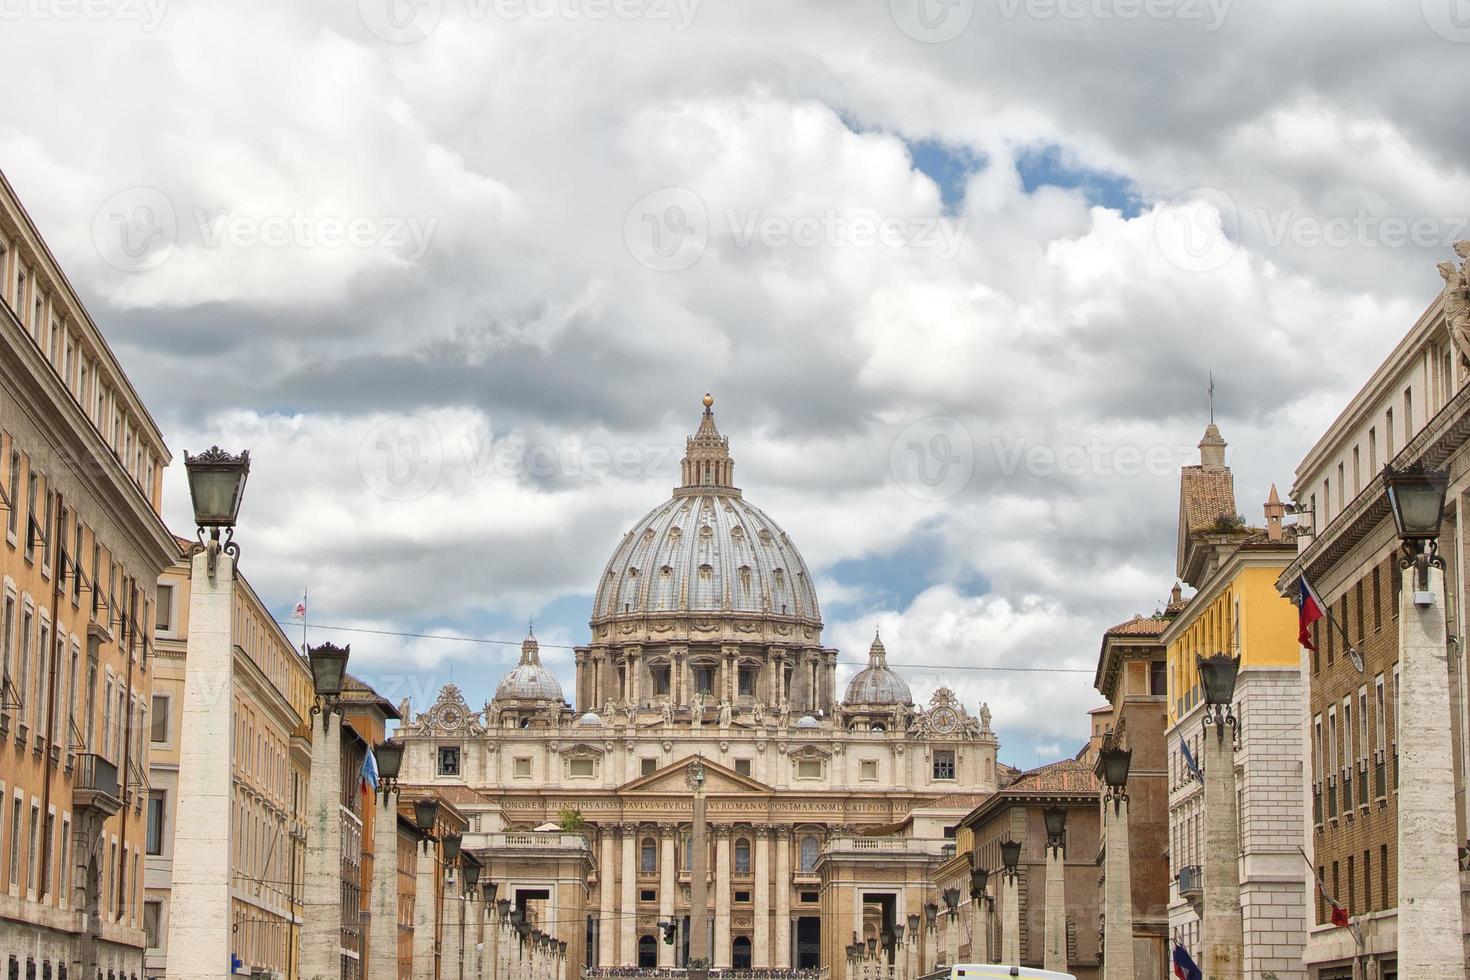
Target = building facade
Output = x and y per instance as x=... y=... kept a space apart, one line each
x=706 y=644
x=80 y=492
x=1132 y=673
x=269 y=765
x=1413 y=409
x=1236 y=609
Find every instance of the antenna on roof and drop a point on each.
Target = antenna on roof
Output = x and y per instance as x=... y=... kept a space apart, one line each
x=1212 y=396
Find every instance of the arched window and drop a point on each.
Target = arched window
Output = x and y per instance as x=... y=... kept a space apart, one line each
x=648 y=855
x=689 y=853
x=742 y=856
x=809 y=849
x=740 y=953
x=647 y=952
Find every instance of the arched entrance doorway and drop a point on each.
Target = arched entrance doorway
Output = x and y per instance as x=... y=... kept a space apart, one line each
x=647 y=952
x=740 y=953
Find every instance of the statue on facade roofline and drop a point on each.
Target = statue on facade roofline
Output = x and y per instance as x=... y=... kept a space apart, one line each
x=667 y=708
x=696 y=710
x=985 y=716
x=724 y=713
x=783 y=713
x=1457 y=299
x=758 y=713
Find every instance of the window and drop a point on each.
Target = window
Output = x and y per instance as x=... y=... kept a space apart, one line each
x=165 y=608
x=12 y=515
x=742 y=856
x=811 y=896
x=15 y=812
x=808 y=854
x=809 y=769
x=582 y=768
x=33 y=486
x=1408 y=414
x=648 y=855
x=1158 y=678
x=944 y=763
x=1388 y=435
x=33 y=830
x=648 y=766
x=869 y=770
x=159 y=731
x=660 y=675
x=1373 y=450
x=152 y=913
x=704 y=679
x=156 y=800
x=523 y=767
x=747 y=681
x=742 y=766
x=449 y=760
x=648 y=895
x=7 y=644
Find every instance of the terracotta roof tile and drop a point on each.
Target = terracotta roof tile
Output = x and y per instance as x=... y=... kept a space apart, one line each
x=1140 y=626
x=1204 y=495
x=1067 y=776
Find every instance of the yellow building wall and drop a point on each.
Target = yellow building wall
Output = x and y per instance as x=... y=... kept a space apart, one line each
x=1246 y=617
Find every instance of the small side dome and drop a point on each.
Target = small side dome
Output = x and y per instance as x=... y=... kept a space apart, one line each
x=528 y=680
x=876 y=684
x=806 y=721
x=589 y=720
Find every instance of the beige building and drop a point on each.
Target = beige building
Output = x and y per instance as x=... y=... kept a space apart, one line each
x=270 y=764
x=828 y=815
x=80 y=479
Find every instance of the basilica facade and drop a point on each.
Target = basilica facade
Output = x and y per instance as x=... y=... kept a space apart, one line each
x=826 y=816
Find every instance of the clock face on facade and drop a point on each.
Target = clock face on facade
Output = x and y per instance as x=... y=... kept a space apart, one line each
x=450 y=717
x=944 y=720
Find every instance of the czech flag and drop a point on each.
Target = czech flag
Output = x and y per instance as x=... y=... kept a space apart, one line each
x=1184 y=967
x=1310 y=609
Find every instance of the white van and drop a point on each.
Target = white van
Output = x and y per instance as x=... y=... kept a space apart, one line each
x=987 y=971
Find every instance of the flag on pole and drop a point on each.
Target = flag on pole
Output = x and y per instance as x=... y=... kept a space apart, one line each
x=1184 y=965
x=1309 y=610
x=1189 y=762
x=369 y=772
x=298 y=614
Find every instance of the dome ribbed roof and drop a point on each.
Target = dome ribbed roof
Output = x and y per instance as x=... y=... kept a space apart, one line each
x=706 y=549
x=876 y=684
x=528 y=680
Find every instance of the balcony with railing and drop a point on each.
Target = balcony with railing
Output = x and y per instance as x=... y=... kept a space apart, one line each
x=94 y=784
x=1191 y=880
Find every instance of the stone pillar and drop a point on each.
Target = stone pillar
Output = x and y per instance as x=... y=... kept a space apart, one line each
x=1117 y=893
x=1010 y=923
x=628 y=907
x=321 y=906
x=425 y=911
x=667 y=884
x=980 y=931
x=782 y=883
x=607 y=937
x=760 y=954
x=952 y=937
x=721 y=959
x=1054 y=940
x=474 y=937
x=699 y=883
x=451 y=944
x=382 y=961
x=1222 y=930
x=1429 y=914
x=199 y=945
x=583 y=703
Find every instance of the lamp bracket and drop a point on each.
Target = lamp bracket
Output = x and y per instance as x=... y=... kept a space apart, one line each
x=1219 y=717
x=212 y=546
x=1421 y=555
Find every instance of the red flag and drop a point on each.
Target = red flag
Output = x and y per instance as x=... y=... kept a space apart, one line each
x=1310 y=610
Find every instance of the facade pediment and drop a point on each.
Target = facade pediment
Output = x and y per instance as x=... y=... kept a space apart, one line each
x=717 y=780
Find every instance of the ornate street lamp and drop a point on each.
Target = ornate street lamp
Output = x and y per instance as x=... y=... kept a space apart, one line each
x=951 y=898
x=426 y=813
x=913 y=927
x=216 y=486
x=390 y=760
x=1416 y=497
x=872 y=945
x=1115 y=762
x=490 y=888
x=502 y=906
x=1055 y=818
x=979 y=878
x=450 y=846
x=328 y=667
x=471 y=876
x=898 y=932
x=1217 y=675
x=931 y=914
x=1010 y=855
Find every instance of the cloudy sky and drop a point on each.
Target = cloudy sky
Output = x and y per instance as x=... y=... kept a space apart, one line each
x=457 y=273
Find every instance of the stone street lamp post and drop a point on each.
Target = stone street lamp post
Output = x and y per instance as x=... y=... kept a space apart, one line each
x=383 y=945
x=1118 y=879
x=1223 y=928
x=979 y=919
x=1054 y=938
x=951 y=898
x=1430 y=919
x=425 y=888
x=199 y=944
x=1010 y=926
x=321 y=905
x=911 y=956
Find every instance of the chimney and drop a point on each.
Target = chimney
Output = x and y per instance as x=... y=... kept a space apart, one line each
x=1275 y=513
